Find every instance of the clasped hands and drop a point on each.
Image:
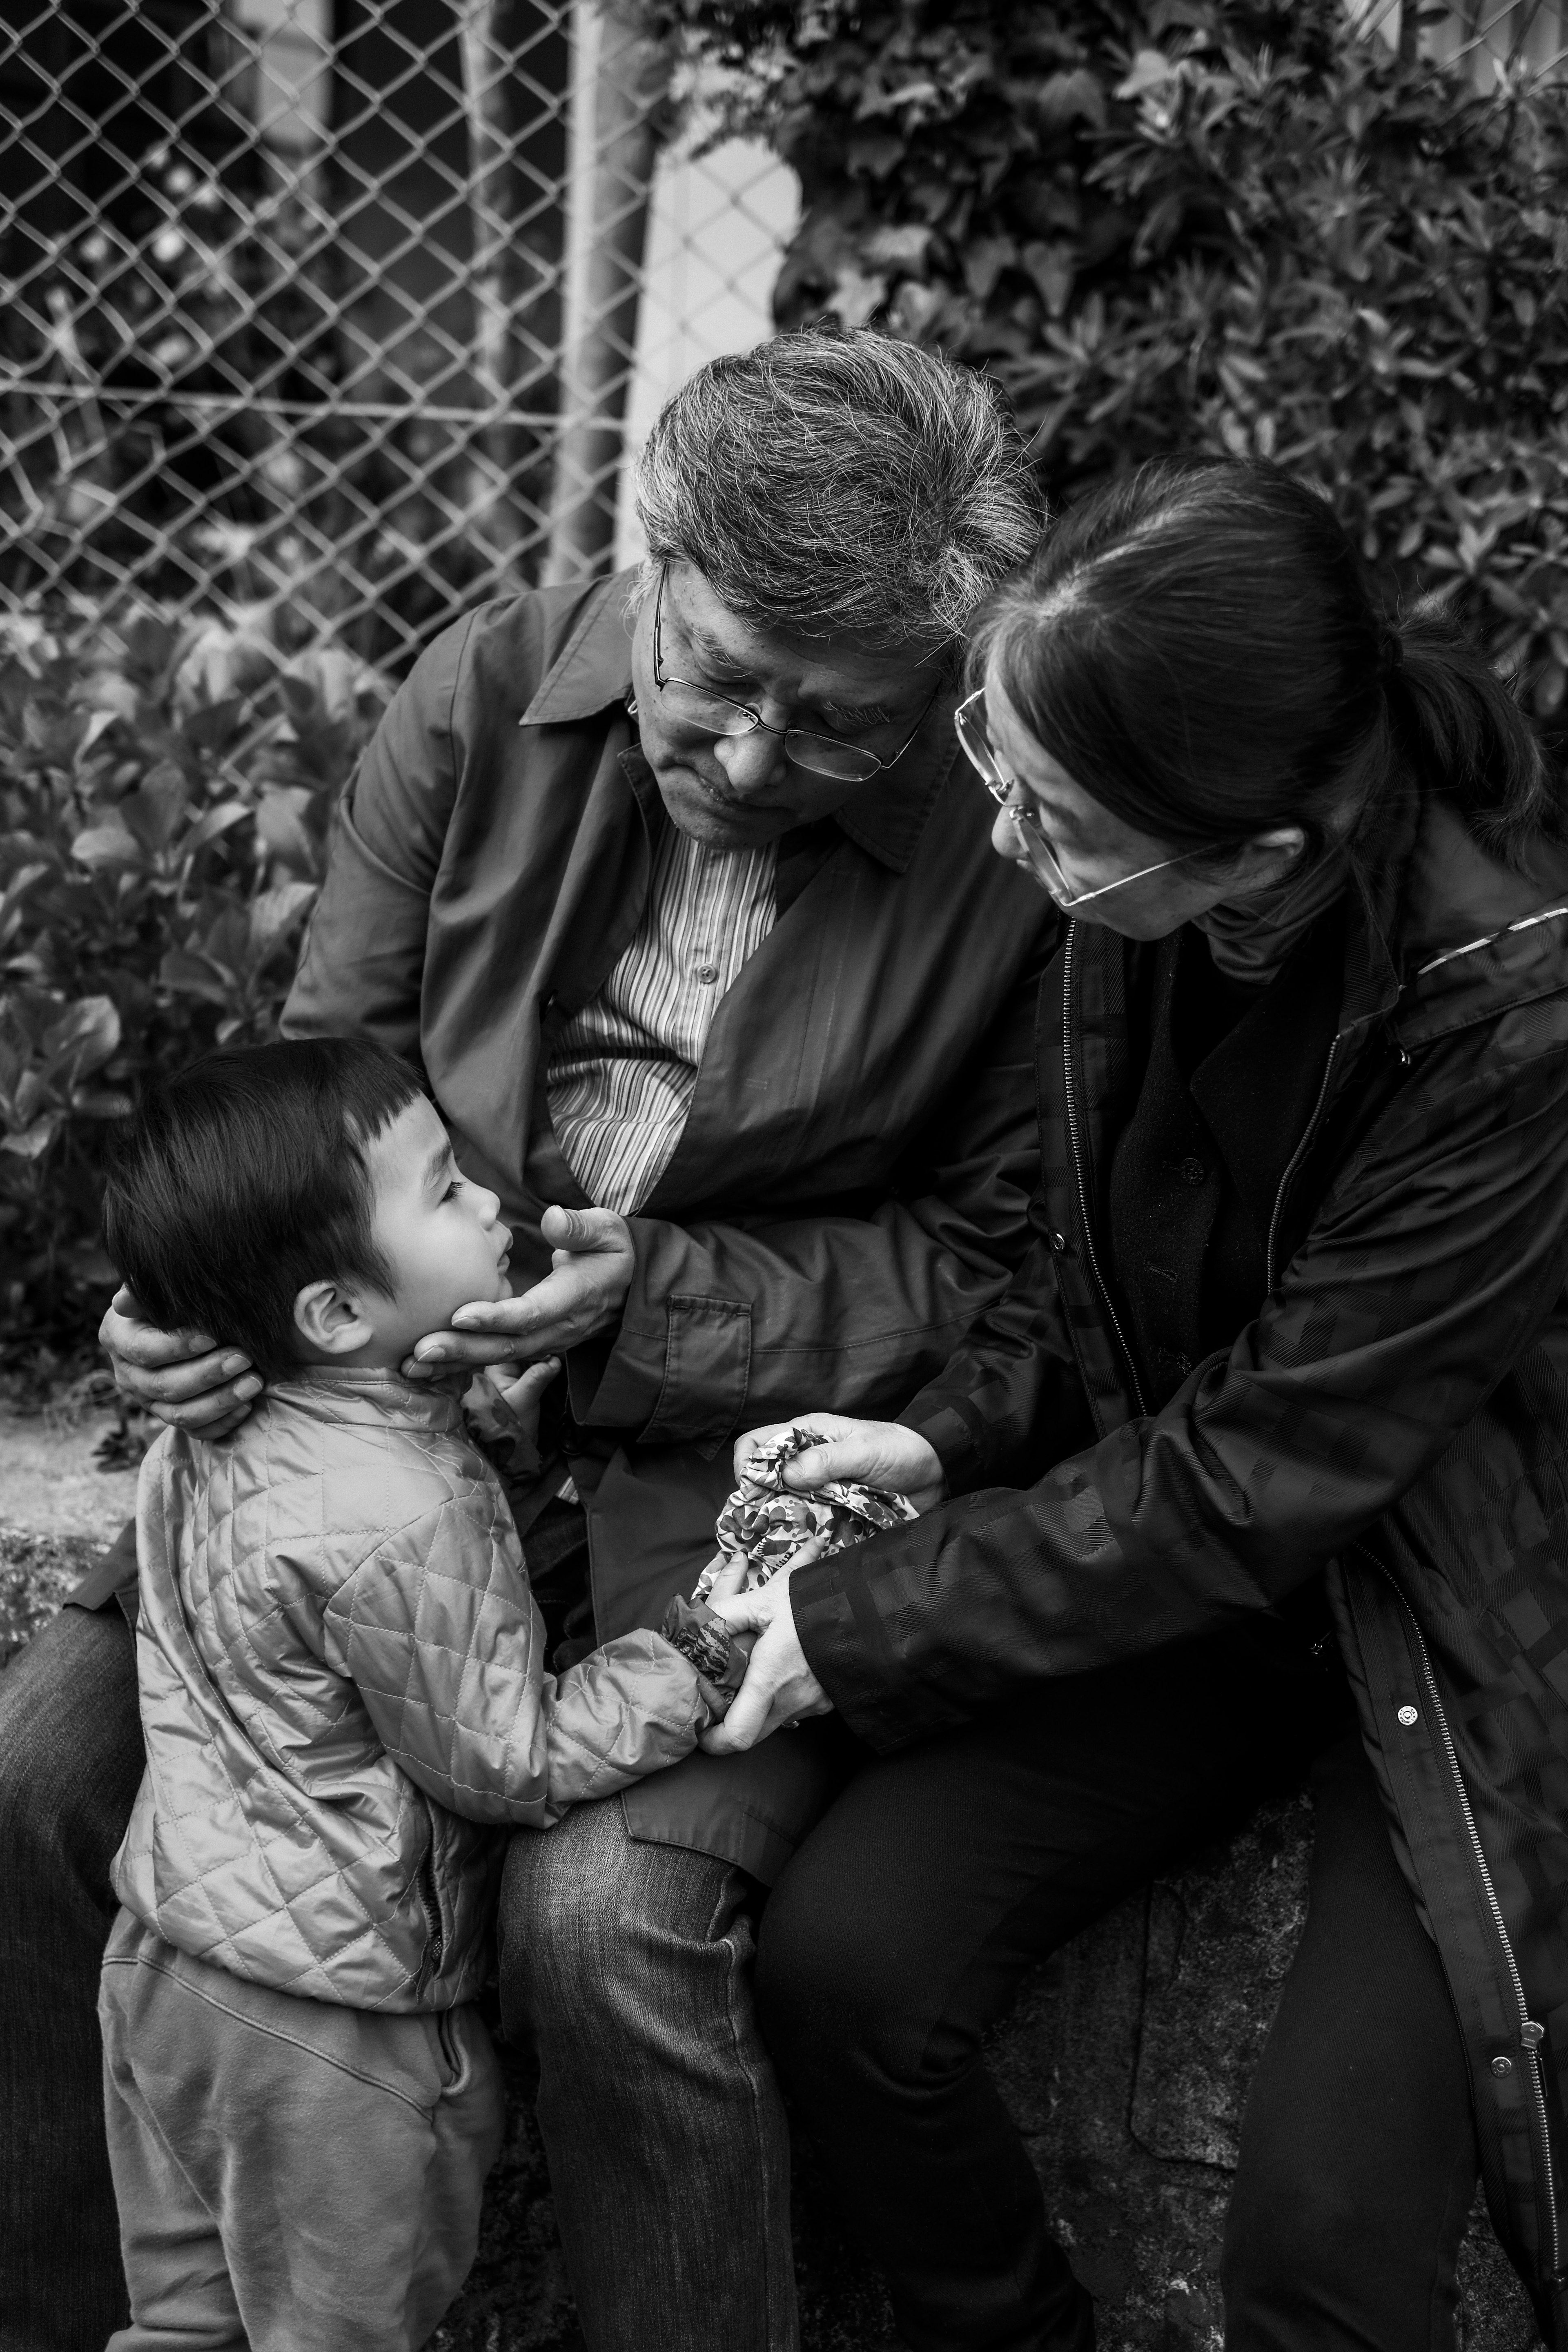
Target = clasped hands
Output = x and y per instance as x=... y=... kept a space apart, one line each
x=780 y=1689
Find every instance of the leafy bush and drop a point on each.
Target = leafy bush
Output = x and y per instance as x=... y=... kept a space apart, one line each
x=1178 y=224
x=164 y=801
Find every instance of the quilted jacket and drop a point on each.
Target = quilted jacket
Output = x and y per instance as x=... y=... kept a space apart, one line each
x=1395 y=1415
x=341 y=1685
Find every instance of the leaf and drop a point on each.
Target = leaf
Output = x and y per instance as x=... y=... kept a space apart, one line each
x=856 y=296
x=33 y=1141
x=107 y=845
x=984 y=260
x=1078 y=96
x=87 y=1034
x=1051 y=267
x=276 y=911
x=197 y=975
x=217 y=819
x=1150 y=68
x=154 y=813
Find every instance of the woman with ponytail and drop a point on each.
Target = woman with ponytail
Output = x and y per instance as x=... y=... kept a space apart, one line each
x=1263 y=1459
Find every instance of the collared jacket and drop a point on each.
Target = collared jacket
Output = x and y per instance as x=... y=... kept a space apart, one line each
x=852 y=1184
x=342 y=1689
x=1396 y=1416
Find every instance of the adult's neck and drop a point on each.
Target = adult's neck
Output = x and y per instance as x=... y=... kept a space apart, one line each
x=1250 y=939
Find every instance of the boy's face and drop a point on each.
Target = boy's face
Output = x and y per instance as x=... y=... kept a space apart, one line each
x=441 y=1235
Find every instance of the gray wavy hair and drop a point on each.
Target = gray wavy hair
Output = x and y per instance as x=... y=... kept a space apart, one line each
x=827 y=482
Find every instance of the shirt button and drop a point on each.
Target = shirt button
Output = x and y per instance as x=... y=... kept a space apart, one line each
x=1191 y=1171
x=1409 y=1715
x=1502 y=2065
x=707 y=973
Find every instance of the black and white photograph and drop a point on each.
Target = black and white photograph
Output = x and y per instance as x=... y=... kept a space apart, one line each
x=784 y=1176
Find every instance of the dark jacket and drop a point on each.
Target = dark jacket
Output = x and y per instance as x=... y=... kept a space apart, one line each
x=852 y=1184
x=1397 y=1413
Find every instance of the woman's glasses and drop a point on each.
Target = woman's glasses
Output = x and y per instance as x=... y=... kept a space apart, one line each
x=969 y=719
x=719 y=714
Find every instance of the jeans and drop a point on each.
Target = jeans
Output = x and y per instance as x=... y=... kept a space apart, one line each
x=70 y=1764
x=289 y=2172
x=626 y=1969
x=898 y=1936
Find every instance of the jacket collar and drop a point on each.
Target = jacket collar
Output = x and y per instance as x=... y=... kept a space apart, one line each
x=350 y=1393
x=594 y=672
x=1447 y=935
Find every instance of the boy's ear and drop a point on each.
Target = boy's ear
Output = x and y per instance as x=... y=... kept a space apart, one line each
x=328 y=1317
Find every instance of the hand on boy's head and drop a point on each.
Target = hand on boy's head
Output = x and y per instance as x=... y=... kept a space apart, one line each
x=179 y=1376
x=594 y=1259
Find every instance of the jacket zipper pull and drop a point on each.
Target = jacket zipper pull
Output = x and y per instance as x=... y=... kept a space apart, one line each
x=1531 y=2035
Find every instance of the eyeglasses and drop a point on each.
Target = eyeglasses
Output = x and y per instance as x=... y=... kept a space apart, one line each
x=719 y=714
x=969 y=719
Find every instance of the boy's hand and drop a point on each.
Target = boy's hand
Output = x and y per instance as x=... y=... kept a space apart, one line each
x=503 y=1406
x=594 y=1261
x=780 y=1688
x=179 y=1376
x=875 y=1453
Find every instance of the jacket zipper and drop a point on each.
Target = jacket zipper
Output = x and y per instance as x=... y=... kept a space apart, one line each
x=1531 y=2034
x=1075 y=1147
x=430 y=1902
x=1271 y=1270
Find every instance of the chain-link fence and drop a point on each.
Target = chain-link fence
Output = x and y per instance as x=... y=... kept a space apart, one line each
x=333 y=310
x=330 y=310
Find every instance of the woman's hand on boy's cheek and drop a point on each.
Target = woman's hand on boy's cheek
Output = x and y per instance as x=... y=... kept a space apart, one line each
x=178 y=1376
x=594 y=1261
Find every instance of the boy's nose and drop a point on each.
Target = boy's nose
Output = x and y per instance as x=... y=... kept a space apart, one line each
x=489 y=1205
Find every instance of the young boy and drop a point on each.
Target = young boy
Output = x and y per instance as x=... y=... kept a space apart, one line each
x=342 y=1678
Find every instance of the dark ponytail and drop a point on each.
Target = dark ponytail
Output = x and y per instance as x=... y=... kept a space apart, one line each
x=1197 y=646
x=1458 y=730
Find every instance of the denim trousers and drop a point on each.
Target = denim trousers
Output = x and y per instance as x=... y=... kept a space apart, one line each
x=626 y=1969
x=289 y=2172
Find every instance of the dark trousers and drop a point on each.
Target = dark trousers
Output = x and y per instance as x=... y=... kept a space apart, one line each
x=900 y=1931
x=71 y=1763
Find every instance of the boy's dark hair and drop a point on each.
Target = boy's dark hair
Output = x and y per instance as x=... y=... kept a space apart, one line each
x=243 y=1179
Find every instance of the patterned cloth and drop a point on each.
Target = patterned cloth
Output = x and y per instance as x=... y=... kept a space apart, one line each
x=621 y=1078
x=767 y=1525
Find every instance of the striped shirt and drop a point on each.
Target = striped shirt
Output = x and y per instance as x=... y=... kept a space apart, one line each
x=621 y=1077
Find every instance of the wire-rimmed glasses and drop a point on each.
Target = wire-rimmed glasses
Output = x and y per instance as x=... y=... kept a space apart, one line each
x=720 y=714
x=969 y=722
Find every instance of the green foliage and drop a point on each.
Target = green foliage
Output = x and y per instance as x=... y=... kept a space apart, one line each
x=165 y=801
x=1199 y=224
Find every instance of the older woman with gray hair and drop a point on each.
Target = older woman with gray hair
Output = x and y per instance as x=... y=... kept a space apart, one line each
x=669 y=883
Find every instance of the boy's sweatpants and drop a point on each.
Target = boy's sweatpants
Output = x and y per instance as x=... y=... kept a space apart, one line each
x=291 y=2177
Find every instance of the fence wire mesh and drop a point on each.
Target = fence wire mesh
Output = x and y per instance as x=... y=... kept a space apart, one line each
x=333 y=308
x=325 y=308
